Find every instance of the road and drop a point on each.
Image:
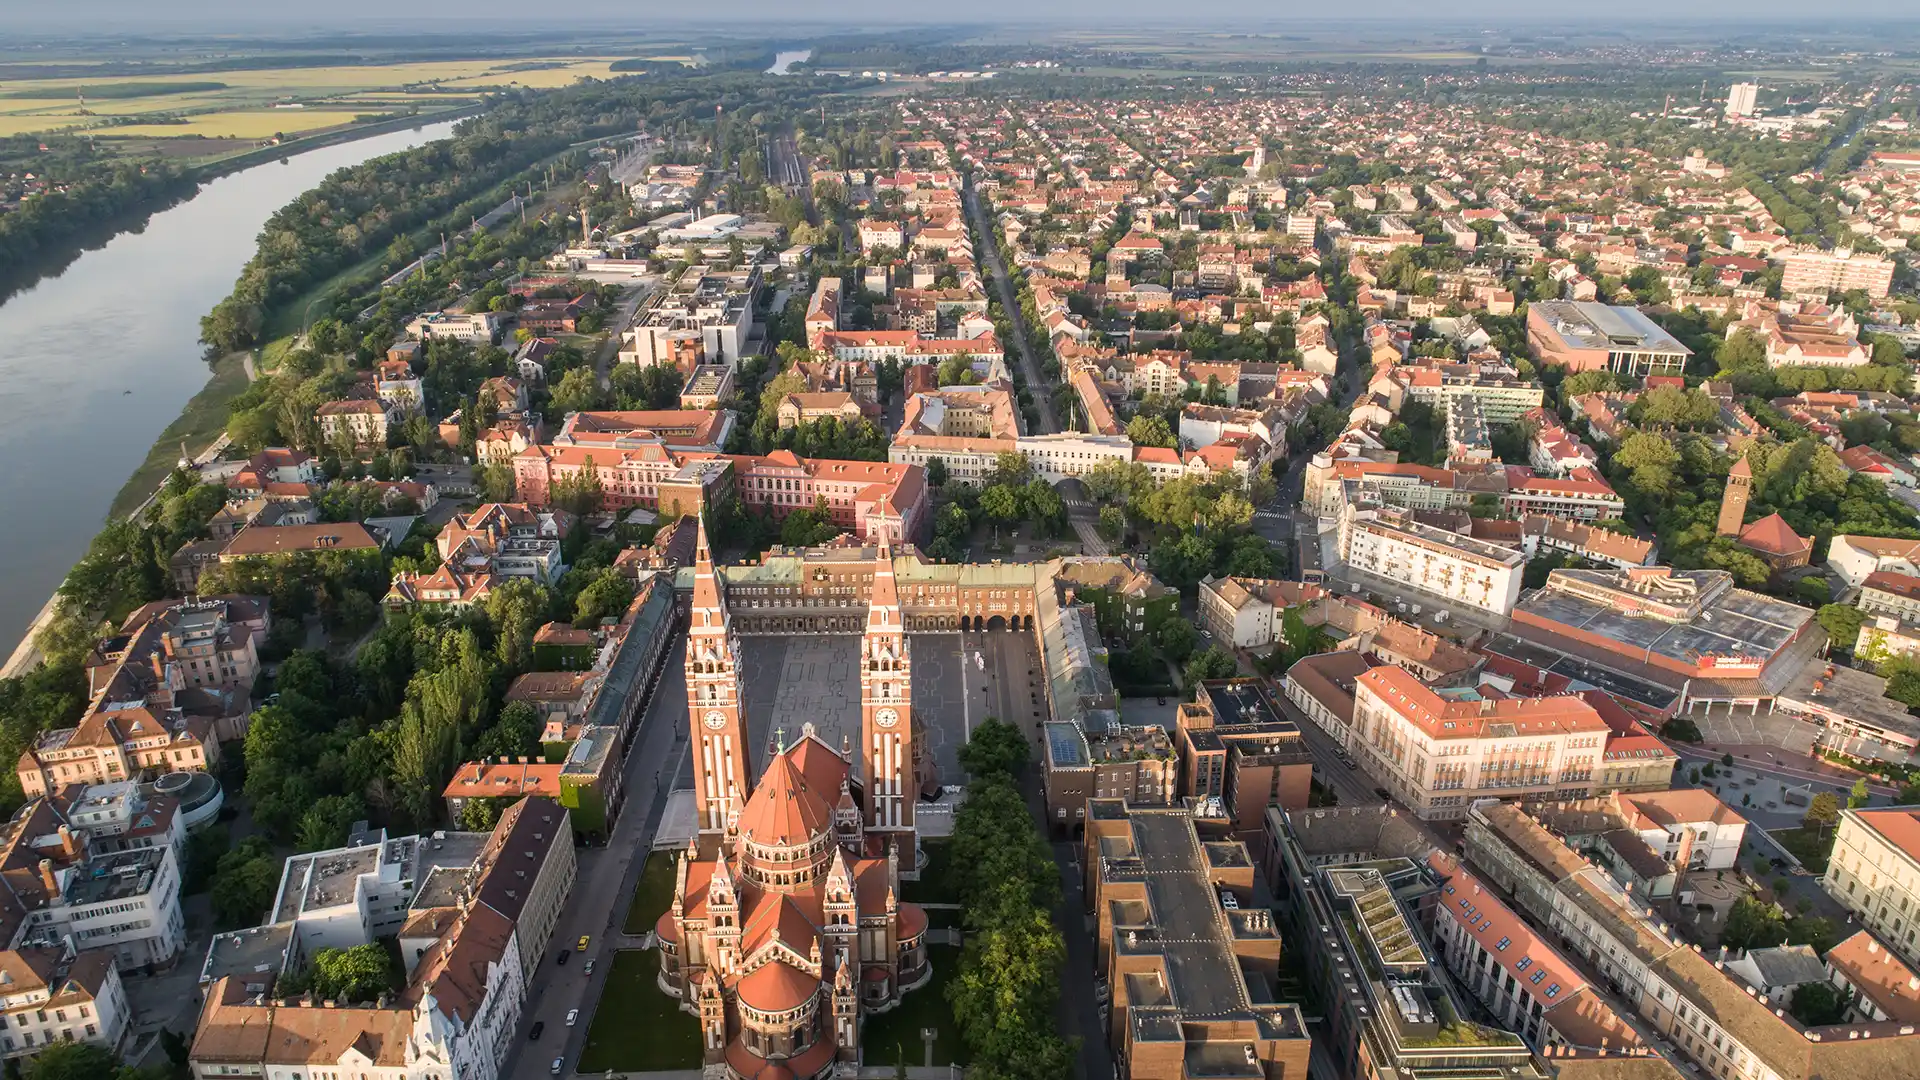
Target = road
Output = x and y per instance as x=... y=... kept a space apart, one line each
x=623 y=318
x=1010 y=303
x=1353 y=787
x=603 y=884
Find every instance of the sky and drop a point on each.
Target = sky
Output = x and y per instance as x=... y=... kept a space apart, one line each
x=754 y=16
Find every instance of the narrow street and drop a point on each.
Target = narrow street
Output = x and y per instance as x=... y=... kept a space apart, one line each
x=1010 y=303
x=603 y=884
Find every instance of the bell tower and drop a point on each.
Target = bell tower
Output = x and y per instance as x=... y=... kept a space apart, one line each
x=1733 y=501
x=715 y=701
x=886 y=708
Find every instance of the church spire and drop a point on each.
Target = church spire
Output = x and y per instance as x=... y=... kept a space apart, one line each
x=886 y=709
x=716 y=700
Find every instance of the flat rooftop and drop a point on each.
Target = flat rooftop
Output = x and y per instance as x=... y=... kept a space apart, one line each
x=114 y=877
x=1202 y=974
x=1853 y=695
x=254 y=956
x=1731 y=622
x=1584 y=324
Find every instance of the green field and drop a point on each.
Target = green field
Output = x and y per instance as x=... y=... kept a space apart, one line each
x=893 y=1037
x=653 y=895
x=636 y=1027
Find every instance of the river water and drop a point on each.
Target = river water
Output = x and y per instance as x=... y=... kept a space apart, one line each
x=95 y=363
x=782 y=61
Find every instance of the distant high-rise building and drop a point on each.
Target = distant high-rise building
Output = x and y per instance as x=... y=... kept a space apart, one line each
x=1741 y=97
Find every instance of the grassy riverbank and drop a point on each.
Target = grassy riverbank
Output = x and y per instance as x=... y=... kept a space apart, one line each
x=202 y=421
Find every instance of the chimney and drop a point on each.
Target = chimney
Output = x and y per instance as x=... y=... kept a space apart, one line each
x=69 y=843
x=47 y=878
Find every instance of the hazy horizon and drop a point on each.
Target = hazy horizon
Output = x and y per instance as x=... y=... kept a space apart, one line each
x=764 y=17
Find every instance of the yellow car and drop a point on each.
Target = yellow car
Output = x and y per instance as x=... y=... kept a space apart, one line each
x=582 y=946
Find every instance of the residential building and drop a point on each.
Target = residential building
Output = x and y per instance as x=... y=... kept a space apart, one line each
x=797 y=409
x=1874 y=872
x=1128 y=601
x=1729 y=1031
x=1541 y=533
x=966 y=427
x=507 y=540
x=1582 y=495
x=1810 y=270
x=1138 y=764
x=705 y=316
x=279 y=541
x=50 y=995
x=1587 y=336
x=859 y=495
x=479 y=328
x=363 y=423
x=1740 y=99
x=398 y=387
x=126 y=903
x=1246 y=613
x=1236 y=746
x=473 y=913
x=1388 y=543
x=1854 y=558
x=1879 y=986
x=1439 y=750
x=675 y=430
x=707 y=387
x=1349 y=884
x=1323 y=687
x=1186 y=954
x=1523 y=980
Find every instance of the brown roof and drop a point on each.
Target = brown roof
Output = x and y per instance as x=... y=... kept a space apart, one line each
x=286 y=539
x=1328 y=678
x=1772 y=535
x=1881 y=977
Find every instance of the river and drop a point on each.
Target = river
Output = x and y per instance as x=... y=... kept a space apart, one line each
x=98 y=361
x=784 y=61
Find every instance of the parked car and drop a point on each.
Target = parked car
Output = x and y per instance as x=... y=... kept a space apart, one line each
x=533 y=1033
x=558 y=1064
x=563 y=957
x=573 y=1017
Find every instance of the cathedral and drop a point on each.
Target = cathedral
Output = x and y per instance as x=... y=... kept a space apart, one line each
x=787 y=923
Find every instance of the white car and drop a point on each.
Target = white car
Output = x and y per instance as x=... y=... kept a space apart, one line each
x=558 y=1064
x=573 y=1017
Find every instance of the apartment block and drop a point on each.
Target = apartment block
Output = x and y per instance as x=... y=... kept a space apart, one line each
x=1810 y=270
x=1388 y=543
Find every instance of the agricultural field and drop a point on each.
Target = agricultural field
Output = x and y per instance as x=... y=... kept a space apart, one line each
x=242 y=104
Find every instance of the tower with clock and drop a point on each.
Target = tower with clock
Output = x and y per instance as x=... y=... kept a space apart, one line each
x=717 y=706
x=886 y=706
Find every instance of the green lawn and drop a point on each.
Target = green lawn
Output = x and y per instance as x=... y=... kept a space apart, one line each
x=636 y=1028
x=933 y=886
x=1810 y=846
x=654 y=893
x=892 y=1036
x=202 y=421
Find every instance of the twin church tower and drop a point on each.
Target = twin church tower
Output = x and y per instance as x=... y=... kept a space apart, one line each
x=724 y=766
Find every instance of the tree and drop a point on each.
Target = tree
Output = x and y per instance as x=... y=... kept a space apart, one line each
x=328 y=821
x=1817 y=1004
x=1681 y=729
x=515 y=734
x=1823 y=812
x=1176 y=638
x=936 y=472
x=1859 y=795
x=244 y=882
x=996 y=748
x=1113 y=522
x=358 y=975
x=1252 y=557
x=577 y=391
x=67 y=1060
x=1146 y=430
x=481 y=814
x=1753 y=924
x=1842 y=623
x=606 y=596
x=1001 y=503
x=516 y=609
x=1213 y=663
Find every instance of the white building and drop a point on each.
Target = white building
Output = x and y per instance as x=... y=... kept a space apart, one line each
x=480 y=328
x=1386 y=542
x=714 y=307
x=56 y=995
x=1855 y=557
x=1741 y=98
x=124 y=902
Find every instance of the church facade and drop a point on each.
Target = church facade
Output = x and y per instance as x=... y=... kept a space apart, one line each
x=786 y=926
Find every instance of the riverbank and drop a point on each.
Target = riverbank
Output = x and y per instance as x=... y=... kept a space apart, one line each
x=201 y=423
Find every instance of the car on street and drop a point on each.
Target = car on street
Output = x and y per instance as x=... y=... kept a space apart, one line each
x=558 y=1064
x=573 y=1017
x=588 y=970
x=581 y=945
x=533 y=1033
x=1383 y=793
x=563 y=957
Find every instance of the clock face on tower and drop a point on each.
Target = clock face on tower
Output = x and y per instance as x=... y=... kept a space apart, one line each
x=716 y=720
x=886 y=718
